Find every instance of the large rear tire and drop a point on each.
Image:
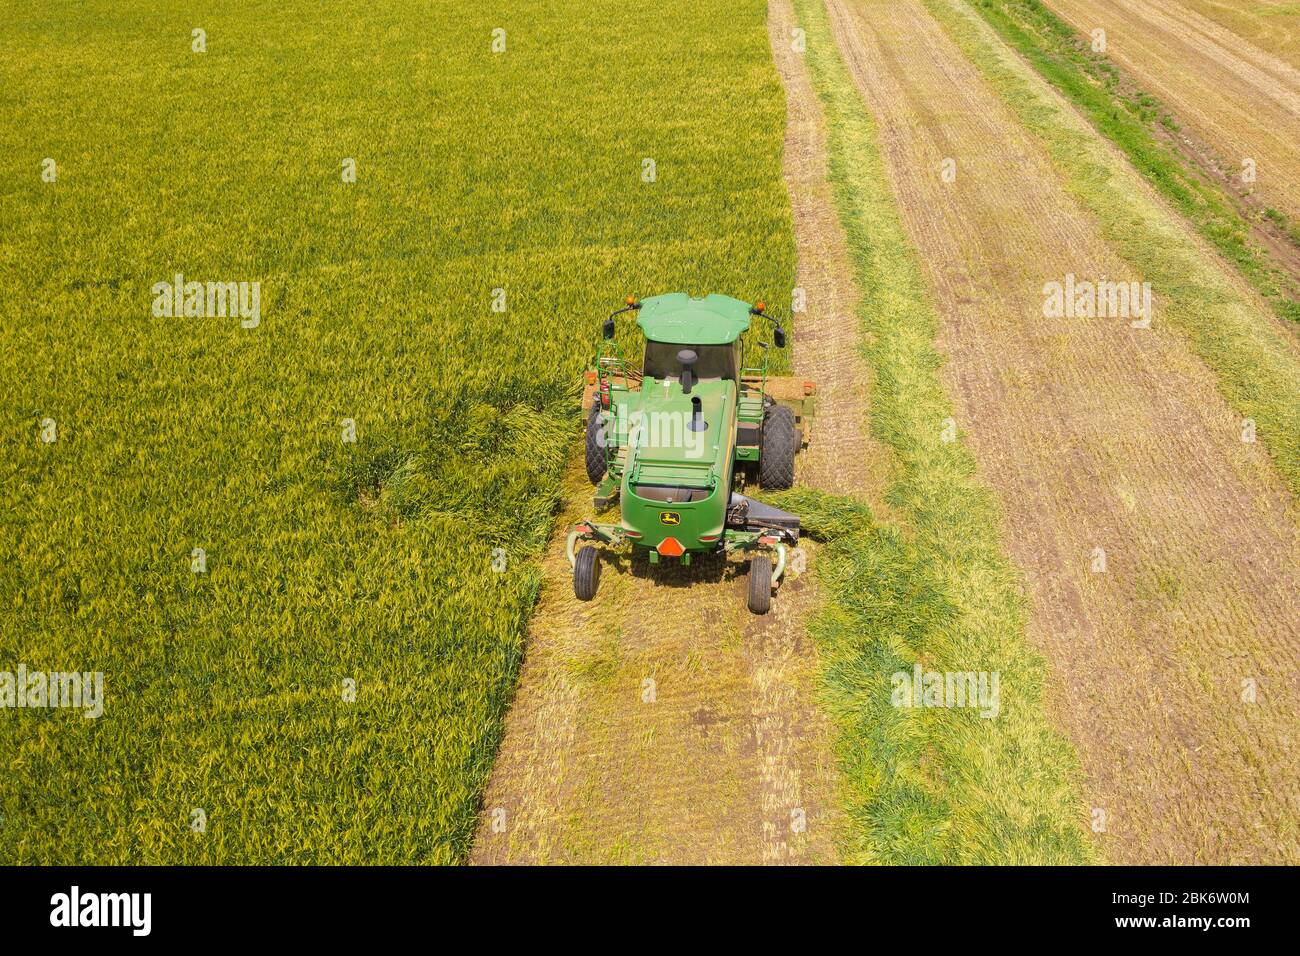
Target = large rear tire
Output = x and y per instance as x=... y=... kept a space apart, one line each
x=760 y=584
x=586 y=573
x=780 y=442
x=595 y=446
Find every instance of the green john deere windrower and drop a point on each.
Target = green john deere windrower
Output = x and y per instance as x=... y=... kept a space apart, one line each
x=675 y=443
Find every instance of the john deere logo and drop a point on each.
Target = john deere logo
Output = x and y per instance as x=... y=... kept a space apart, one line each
x=669 y=517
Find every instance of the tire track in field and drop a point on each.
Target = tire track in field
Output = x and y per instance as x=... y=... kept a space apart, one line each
x=731 y=761
x=1243 y=102
x=1096 y=434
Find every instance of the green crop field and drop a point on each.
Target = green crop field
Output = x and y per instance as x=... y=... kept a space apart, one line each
x=438 y=309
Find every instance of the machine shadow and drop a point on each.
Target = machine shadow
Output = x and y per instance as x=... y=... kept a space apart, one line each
x=670 y=572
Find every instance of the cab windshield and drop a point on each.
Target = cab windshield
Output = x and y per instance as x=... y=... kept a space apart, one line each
x=714 y=362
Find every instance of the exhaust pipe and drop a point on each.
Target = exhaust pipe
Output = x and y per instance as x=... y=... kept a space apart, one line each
x=688 y=359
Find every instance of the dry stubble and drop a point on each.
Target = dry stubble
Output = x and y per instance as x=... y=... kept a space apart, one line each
x=1099 y=435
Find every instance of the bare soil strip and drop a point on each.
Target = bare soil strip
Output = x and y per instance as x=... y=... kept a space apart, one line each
x=661 y=723
x=1099 y=435
x=1242 y=101
x=841 y=458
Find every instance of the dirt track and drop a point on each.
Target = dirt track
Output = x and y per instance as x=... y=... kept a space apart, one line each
x=1242 y=101
x=730 y=763
x=1099 y=435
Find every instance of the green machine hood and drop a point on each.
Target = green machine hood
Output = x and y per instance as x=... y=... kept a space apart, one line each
x=678 y=481
x=664 y=451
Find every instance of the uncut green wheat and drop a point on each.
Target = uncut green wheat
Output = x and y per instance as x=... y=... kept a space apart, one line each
x=326 y=560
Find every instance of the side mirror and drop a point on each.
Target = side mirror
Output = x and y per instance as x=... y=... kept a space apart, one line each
x=608 y=328
x=778 y=336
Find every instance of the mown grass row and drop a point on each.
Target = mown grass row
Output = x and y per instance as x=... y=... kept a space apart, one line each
x=1129 y=117
x=927 y=785
x=1255 y=361
x=326 y=560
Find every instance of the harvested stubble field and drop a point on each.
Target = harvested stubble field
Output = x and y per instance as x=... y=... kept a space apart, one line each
x=918 y=169
x=1099 y=435
x=1271 y=25
x=1242 y=101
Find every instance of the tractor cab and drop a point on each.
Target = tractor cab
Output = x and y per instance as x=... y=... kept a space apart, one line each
x=663 y=361
x=710 y=327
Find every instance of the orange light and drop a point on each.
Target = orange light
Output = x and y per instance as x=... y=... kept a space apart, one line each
x=708 y=537
x=759 y=306
x=591 y=378
x=631 y=300
x=671 y=548
x=808 y=388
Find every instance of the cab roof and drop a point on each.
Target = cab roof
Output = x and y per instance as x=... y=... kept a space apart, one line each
x=678 y=319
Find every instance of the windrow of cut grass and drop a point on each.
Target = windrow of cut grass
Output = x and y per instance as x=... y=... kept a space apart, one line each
x=934 y=588
x=325 y=561
x=1130 y=118
x=1255 y=360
